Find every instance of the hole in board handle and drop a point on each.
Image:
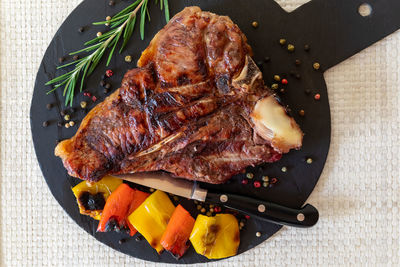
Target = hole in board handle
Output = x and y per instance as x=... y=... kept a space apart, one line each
x=365 y=10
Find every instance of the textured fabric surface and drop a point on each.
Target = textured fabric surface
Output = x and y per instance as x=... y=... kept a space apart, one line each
x=357 y=195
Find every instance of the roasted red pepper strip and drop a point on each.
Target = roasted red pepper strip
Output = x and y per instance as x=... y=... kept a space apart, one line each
x=118 y=206
x=176 y=236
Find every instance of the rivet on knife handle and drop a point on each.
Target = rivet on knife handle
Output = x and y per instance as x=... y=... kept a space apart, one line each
x=307 y=216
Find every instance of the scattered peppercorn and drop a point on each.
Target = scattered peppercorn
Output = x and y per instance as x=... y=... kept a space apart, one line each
x=274 y=86
x=94 y=98
x=102 y=83
x=265 y=178
x=99 y=34
x=267 y=59
x=49 y=106
x=63 y=112
x=87 y=94
x=211 y=206
x=254 y=24
x=151 y=190
x=83 y=104
x=316 y=66
x=57 y=141
x=121 y=241
x=241 y=224
x=128 y=59
x=302 y=112
x=284 y=81
x=67 y=117
x=67 y=125
x=61 y=59
x=258 y=234
x=199 y=207
x=138 y=238
x=265 y=184
x=247 y=217
x=317 y=96
x=307 y=91
x=277 y=78
x=107 y=86
x=76 y=57
x=71 y=123
x=290 y=48
x=217 y=209
x=105 y=91
x=282 y=90
x=297 y=62
x=45 y=124
x=284 y=169
x=109 y=73
x=306 y=47
x=211 y=210
x=245 y=181
x=175 y=198
x=282 y=41
x=108 y=18
x=257 y=184
x=208 y=213
x=81 y=29
x=274 y=180
x=260 y=65
x=309 y=160
x=249 y=175
x=111 y=3
x=298 y=76
x=203 y=210
x=59 y=124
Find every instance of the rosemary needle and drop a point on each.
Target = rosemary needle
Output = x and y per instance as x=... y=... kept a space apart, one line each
x=121 y=25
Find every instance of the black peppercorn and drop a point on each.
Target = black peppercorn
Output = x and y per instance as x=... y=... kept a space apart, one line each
x=121 y=241
x=104 y=77
x=297 y=62
x=111 y=3
x=102 y=83
x=105 y=91
x=138 y=238
x=282 y=90
x=307 y=91
x=72 y=110
x=260 y=65
x=76 y=57
x=60 y=124
x=81 y=29
x=298 y=76
x=49 y=106
x=266 y=59
x=292 y=73
x=61 y=59
x=45 y=124
x=107 y=86
x=306 y=47
x=57 y=141
x=63 y=113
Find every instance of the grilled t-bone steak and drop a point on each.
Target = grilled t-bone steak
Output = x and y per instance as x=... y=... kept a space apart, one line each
x=196 y=107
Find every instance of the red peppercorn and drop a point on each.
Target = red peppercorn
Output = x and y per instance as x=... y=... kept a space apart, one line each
x=87 y=94
x=245 y=181
x=317 y=96
x=274 y=180
x=247 y=217
x=217 y=209
x=284 y=81
x=109 y=73
x=257 y=184
x=94 y=98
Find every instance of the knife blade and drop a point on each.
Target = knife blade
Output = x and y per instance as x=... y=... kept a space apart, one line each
x=166 y=183
x=306 y=216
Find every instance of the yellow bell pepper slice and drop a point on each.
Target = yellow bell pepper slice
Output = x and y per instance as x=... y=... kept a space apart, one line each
x=151 y=218
x=216 y=237
x=105 y=186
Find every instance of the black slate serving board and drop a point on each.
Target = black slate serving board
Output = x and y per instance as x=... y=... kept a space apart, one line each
x=333 y=29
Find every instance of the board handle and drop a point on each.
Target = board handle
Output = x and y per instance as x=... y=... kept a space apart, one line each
x=341 y=30
x=306 y=216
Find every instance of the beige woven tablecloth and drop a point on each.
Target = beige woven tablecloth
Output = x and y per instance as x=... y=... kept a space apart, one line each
x=357 y=195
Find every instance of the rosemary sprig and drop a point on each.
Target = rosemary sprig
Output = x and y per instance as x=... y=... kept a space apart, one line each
x=121 y=25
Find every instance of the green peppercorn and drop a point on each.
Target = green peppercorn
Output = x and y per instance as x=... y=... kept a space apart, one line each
x=274 y=86
x=277 y=78
x=284 y=169
x=316 y=66
x=254 y=24
x=265 y=178
x=208 y=213
x=128 y=59
x=258 y=234
x=282 y=41
x=67 y=117
x=290 y=48
x=309 y=160
x=199 y=207
x=83 y=104
x=250 y=175
x=265 y=184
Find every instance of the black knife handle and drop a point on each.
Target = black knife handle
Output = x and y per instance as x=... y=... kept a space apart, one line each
x=307 y=216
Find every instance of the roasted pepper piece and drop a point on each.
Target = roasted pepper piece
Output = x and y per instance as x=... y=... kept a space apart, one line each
x=91 y=197
x=176 y=236
x=151 y=218
x=216 y=237
x=122 y=202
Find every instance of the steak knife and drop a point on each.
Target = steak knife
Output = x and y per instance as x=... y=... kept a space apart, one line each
x=307 y=216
